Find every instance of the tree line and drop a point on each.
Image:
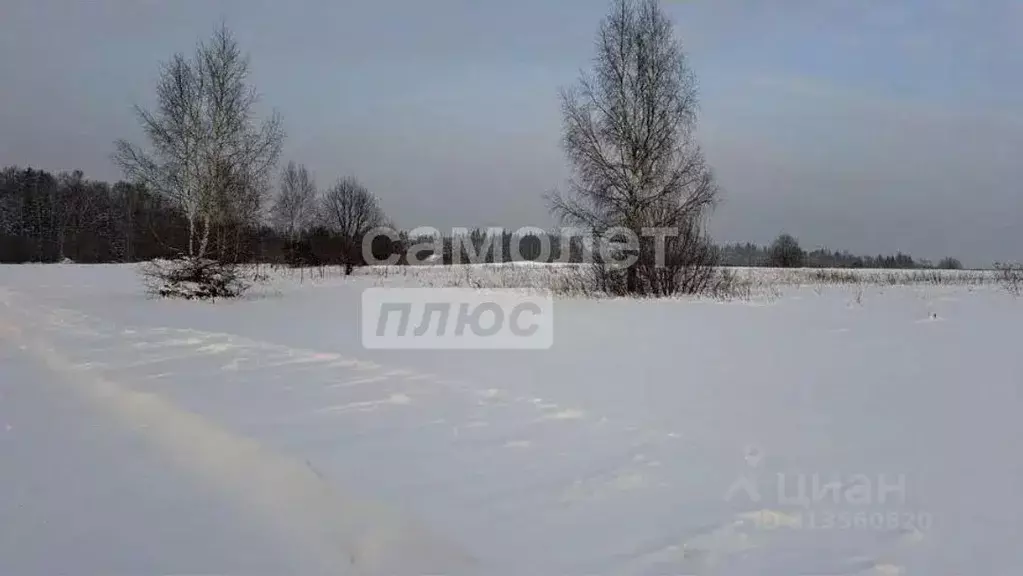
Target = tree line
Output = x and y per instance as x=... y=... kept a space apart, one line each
x=785 y=252
x=46 y=217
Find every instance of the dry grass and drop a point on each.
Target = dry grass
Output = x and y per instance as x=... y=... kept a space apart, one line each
x=577 y=280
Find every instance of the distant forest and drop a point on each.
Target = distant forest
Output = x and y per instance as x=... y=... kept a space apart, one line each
x=47 y=217
x=754 y=255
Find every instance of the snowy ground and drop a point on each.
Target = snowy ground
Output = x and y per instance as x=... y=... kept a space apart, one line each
x=654 y=438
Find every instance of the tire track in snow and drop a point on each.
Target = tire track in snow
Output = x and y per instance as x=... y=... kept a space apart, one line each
x=329 y=530
x=583 y=490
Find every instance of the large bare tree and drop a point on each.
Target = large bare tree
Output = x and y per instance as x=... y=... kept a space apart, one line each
x=351 y=211
x=295 y=205
x=629 y=133
x=208 y=153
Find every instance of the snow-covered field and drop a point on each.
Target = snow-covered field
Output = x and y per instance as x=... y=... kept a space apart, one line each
x=820 y=429
x=571 y=279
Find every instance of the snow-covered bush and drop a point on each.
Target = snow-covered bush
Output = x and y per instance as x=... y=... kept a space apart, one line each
x=1010 y=276
x=193 y=278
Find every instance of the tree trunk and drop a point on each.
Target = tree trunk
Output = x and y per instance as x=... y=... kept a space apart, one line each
x=205 y=237
x=631 y=279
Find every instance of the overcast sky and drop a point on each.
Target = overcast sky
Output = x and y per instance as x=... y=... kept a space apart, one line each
x=871 y=125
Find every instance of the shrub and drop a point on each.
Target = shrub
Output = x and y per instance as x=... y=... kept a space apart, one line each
x=193 y=279
x=684 y=263
x=832 y=276
x=1010 y=276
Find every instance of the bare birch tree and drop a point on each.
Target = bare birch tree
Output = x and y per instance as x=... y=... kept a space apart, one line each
x=351 y=211
x=295 y=205
x=629 y=133
x=208 y=154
